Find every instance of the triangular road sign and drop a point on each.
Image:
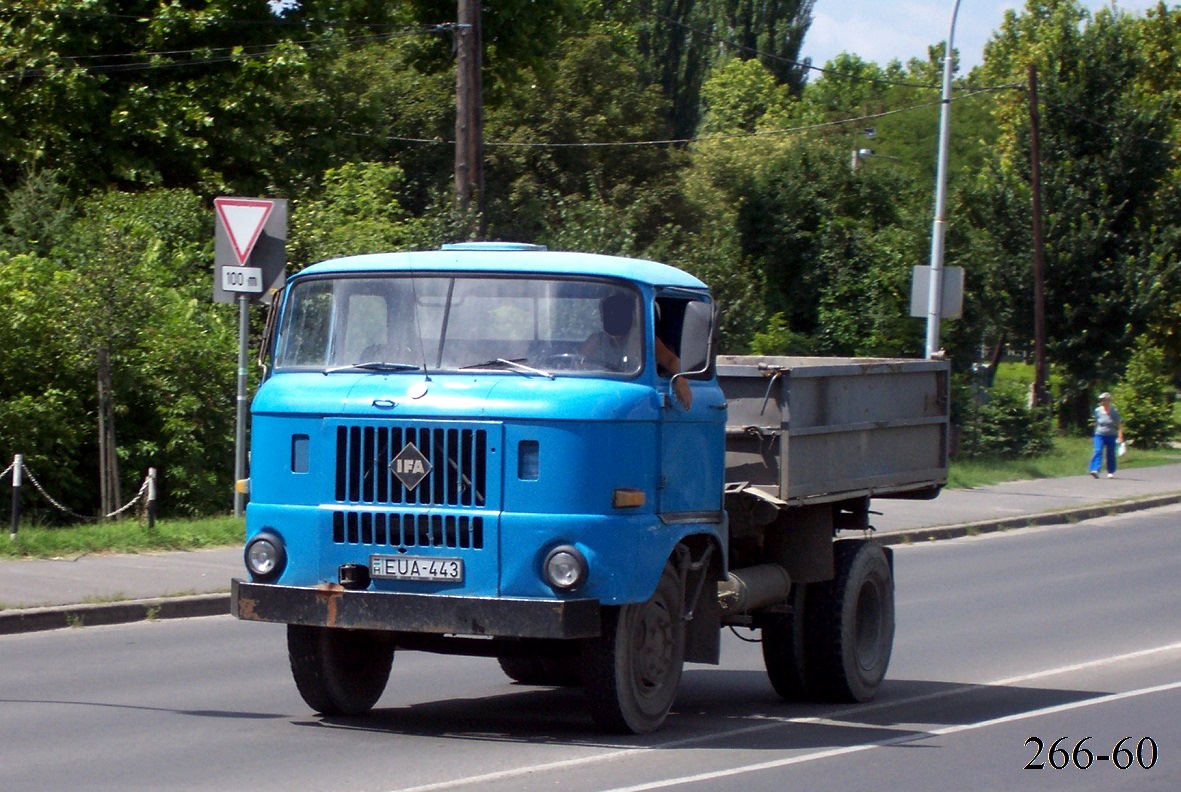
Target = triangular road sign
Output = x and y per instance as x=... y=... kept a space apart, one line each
x=243 y=220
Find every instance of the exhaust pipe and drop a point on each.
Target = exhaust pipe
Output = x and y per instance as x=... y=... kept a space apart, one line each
x=751 y=588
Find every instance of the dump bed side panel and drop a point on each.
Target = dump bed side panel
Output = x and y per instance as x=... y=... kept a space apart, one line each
x=823 y=429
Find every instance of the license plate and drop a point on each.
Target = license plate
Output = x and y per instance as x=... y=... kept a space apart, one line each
x=423 y=568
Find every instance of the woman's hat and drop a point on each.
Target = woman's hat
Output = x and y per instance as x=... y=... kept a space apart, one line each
x=1104 y=396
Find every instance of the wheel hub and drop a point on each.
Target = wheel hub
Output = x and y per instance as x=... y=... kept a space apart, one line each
x=868 y=627
x=654 y=646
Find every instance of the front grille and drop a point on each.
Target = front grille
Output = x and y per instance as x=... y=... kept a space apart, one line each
x=458 y=462
x=408 y=530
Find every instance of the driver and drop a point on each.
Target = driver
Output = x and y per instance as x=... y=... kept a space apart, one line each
x=617 y=346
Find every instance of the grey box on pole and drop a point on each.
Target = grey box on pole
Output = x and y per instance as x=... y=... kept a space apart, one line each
x=952 y=305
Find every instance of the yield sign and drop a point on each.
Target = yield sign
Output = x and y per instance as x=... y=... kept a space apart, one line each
x=243 y=220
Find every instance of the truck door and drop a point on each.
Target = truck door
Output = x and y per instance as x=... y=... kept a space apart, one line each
x=692 y=447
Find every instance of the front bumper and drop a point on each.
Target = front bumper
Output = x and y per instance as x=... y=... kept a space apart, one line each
x=435 y=614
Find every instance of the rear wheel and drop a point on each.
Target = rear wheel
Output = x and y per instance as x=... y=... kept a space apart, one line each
x=849 y=625
x=632 y=670
x=339 y=672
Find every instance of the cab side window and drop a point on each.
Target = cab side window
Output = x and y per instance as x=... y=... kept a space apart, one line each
x=680 y=328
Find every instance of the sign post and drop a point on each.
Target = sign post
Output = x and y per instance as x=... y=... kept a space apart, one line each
x=249 y=266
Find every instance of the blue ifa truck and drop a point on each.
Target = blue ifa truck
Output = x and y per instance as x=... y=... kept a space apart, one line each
x=494 y=449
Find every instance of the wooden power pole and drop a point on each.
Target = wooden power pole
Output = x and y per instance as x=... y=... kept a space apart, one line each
x=1040 y=392
x=469 y=112
x=108 y=460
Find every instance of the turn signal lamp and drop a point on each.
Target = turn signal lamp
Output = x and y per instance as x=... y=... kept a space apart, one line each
x=628 y=498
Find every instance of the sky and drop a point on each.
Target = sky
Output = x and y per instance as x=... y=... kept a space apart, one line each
x=882 y=30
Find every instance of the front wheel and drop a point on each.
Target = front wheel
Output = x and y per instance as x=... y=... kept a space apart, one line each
x=545 y=671
x=784 y=648
x=339 y=672
x=631 y=672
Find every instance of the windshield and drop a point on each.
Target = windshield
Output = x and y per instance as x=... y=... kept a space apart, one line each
x=403 y=322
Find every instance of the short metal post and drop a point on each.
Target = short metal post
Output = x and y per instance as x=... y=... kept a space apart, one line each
x=17 y=465
x=151 y=498
x=240 y=424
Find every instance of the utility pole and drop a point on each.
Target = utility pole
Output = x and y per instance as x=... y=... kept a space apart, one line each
x=469 y=111
x=935 y=293
x=1040 y=393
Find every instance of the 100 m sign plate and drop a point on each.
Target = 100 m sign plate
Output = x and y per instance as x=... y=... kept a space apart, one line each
x=421 y=568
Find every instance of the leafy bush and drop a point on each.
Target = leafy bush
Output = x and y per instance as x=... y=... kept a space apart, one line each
x=777 y=339
x=1145 y=398
x=1001 y=424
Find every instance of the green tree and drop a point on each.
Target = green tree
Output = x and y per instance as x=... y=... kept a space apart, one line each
x=777 y=339
x=220 y=96
x=359 y=212
x=823 y=237
x=740 y=95
x=37 y=214
x=1001 y=424
x=771 y=31
x=131 y=342
x=1104 y=174
x=832 y=241
x=848 y=86
x=681 y=41
x=569 y=135
x=42 y=415
x=1145 y=398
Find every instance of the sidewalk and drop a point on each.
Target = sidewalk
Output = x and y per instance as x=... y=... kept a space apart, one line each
x=106 y=589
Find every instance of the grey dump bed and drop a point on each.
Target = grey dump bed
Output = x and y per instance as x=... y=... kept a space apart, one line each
x=813 y=429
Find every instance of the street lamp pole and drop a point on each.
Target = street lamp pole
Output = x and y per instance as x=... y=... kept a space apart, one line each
x=935 y=293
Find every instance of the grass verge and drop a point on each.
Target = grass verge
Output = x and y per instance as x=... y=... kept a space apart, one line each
x=124 y=536
x=1071 y=457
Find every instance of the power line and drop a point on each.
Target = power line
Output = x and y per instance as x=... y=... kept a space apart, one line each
x=271 y=21
x=231 y=53
x=804 y=64
x=696 y=138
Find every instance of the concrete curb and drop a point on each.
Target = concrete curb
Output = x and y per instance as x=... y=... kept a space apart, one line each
x=1064 y=517
x=55 y=617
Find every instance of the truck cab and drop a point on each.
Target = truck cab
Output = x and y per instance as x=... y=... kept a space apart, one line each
x=476 y=450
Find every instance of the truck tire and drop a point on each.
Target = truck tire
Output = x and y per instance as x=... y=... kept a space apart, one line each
x=545 y=671
x=526 y=670
x=339 y=672
x=849 y=625
x=784 y=647
x=631 y=672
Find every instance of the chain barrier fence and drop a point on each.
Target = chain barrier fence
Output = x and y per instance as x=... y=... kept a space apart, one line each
x=19 y=470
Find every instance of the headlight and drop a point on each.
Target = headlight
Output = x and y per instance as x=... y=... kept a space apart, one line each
x=565 y=568
x=265 y=556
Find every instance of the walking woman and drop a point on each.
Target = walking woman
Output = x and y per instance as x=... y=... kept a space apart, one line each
x=1109 y=430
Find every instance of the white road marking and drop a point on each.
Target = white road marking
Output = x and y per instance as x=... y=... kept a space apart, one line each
x=906 y=738
x=767 y=723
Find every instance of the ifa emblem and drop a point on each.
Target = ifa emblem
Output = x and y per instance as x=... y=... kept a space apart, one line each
x=410 y=466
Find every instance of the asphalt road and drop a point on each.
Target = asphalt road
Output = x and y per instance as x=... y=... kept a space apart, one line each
x=1003 y=640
